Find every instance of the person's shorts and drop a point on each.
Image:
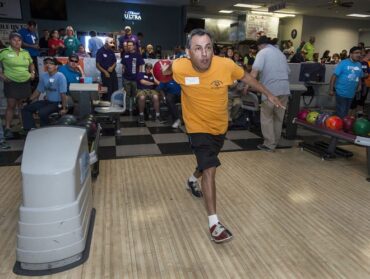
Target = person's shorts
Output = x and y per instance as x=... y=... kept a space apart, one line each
x=17 y=90
x=206 y=148
x=147 y=93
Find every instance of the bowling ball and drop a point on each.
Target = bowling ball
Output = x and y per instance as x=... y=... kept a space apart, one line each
x=312 y=116
x=334 y=122
x=67 y=119
x=302 y=114
x=361 y=127
x=320 y=120
x=348 y=122
x=157 y=71
x=93 y=128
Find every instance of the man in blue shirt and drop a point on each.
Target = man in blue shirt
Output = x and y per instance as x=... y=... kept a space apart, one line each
x=54 y=85
x=30 y=40
x=346 y=80
x=106 y=63
x=94 y=44
x=72 y=70
x=131 y=63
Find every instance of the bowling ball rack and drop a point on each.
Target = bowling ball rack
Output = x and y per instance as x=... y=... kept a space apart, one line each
x=328 y=151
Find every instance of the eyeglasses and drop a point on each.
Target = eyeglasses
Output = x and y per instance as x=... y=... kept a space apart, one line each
x=49 y=62
x=76 y=61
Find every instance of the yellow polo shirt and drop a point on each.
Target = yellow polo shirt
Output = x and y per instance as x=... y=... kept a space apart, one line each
x=204 y=95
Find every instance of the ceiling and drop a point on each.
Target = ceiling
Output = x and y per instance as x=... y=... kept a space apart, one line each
x=324 y=8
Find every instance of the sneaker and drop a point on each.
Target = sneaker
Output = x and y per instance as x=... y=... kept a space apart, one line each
x=8 y=134
x=219 y=233
x=194 y=188
x=160 y=120
x=4 y=145
x=23 y=132
x=141 y=119
x=176 y=124
x=264 y=148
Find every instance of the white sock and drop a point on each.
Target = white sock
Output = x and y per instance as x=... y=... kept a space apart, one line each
x=142 y=113
x=157 y=114
x=212 y=220
x=192 y=178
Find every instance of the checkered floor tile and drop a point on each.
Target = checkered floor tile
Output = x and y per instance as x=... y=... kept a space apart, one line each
x=151 y=139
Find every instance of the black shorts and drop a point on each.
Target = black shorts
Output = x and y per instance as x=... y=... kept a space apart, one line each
x=206 y=148
x=17 y=90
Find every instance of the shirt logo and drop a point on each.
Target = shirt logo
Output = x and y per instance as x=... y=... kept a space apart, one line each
x=216 y=84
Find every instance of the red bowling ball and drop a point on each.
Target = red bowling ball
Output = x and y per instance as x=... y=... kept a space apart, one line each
x=302 y=114
x=334 y=122
x=157 y=71
x=348 y=122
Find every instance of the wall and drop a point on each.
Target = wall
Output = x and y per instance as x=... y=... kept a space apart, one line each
x=160 y=25
x=219 y=28
x=332 y=33
x=365 y=37
x=286 y=27
x=217 y=25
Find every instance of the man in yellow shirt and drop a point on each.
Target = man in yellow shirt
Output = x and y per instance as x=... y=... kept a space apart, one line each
x=204 y=80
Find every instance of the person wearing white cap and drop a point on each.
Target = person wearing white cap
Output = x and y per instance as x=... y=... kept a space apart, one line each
x=128 y=36
x=106 y=63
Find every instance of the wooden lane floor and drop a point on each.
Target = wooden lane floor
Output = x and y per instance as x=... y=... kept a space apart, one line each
x=292 y=216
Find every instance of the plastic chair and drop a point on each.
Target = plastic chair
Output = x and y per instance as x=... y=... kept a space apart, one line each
x=116 y=108
x=251 y=103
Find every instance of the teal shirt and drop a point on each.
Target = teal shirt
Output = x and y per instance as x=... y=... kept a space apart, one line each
x=16 y=66
x=72 y=44
x=349 y=74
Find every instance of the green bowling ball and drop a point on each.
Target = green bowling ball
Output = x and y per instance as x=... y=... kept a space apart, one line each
x=361 y=127
x=312 y=116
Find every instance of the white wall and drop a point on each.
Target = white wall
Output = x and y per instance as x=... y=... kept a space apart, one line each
x=365 y=37
x=218 y=25
x=286 y=27
x=219 y=28
x=332 y=33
